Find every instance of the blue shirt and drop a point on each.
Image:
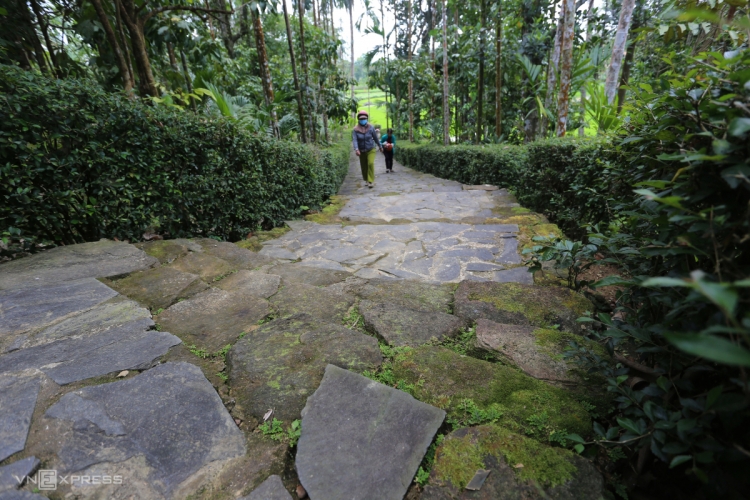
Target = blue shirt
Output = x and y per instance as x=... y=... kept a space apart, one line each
x=366 y=141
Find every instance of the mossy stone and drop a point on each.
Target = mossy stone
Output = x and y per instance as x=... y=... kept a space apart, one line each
x=520 y=468
x=409 y=294
x=208 y=267
x=444 y=378
x=280 y=364
x=519 y=304
x=295 y=298
x=159 y=288
x=315 y=276
x=238 y=258
x=166 y=251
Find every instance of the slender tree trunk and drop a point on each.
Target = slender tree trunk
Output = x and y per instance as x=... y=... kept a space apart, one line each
x=618 y=49
x=112 y=39
x=172 y=58
x=147 y=84
x=499 y=73
x=385 y=58
x=188 y=82
x=314 y=13
x=552 y=69
x=350 y=7
x=446 y=107
x=32 y=36
x=582 y=129
x=303 y=57
x=43 y=26
x=123 y=39
x=566 y=67
x=480 y=85
x=627 y=64
x=265 y=73
x=225 y=27
x=411 y=80
x=300 y=112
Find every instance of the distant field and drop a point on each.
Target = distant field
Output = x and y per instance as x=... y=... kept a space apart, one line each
x=372 y=103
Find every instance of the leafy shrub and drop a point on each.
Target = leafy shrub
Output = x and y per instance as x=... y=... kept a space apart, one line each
x=78 y=163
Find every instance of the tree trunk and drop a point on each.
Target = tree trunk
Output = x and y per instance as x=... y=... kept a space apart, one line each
x=300 y=111
x=146 y=84
x=124 y=41
x=303 y=56
x=446 y=108
x=45 y=32
x=499 y=73
x=618 y=50
x=112 y=39
x=552 y=69
x=225 y=27
x=566 y=66
x=627 y=64
x=411 y=80
x=582 y=129
x=188 y=82
x=385 y=58
x=480 y=86
x=350 y=7
x=32 y=36
x=314 y=13
x=265 y=73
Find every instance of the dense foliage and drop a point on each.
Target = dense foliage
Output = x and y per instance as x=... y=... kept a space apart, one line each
x=78 y=163
x=667 y=202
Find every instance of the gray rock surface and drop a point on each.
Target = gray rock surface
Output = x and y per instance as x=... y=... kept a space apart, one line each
x=270 y=489
x=101 y=259
x=415 y=295
x=164 y=427
x=159 y=288
x=281 y=363
x=214 y=318
x=296 y=273
x=18 y=393
x=252 y=282
x=400 y=326
x=516 y=275
x=12 y=476
x=20 y=495
x=168 y=250
x=72 y=359
x=296 y=298
x=208 y=267
x=25 y=309
x=361 y=439
x=239 y=258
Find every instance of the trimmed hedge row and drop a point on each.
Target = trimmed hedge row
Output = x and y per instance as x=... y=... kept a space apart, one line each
x=568 y=180
x=78 y=164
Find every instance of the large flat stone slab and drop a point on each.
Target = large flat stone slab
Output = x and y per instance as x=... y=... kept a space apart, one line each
x=270 y=489
x=297 y=273
x=252 y=282
x=169 y=250
x=31 y=308
x=72 y=359
x=444 y=378
x=214 y=318
x=415 y=295
x=163 y=430
x=519 y=304
x=558 y=473
x=208 y=267
x=362 y=439
x=12 y=476
x=159 y=288
x=18 y=393
x=101 y=259
x=279 y=365
x=239 y=258
x=295 y=298
x=400 y=326
x=524 y=346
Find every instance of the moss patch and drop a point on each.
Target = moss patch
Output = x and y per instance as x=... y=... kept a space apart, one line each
x=389 y=193
x=255 y=243
x=554 y=342
x=330 y=213
x=461 y=454
x=446 y=379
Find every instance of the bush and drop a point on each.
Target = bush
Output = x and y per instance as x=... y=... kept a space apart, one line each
x=78 y=164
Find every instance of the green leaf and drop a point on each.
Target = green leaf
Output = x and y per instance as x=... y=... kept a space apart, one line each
x=579 y=448
x=739 y=127
x=611 y=281
x=664 y=281
x=719 y=293
x=711 y=348
x=679 y=459
x=575 y=438
x=629 y=425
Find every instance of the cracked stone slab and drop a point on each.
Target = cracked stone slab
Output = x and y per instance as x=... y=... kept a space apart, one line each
x=100 y=259
x=252 y=282
x=361 y=439
x=68 y=360
x=18 y=393
x=296 y=298
x=270 y=489
x=298 y=273
x=515 y=275
x=415 y=295
x=160 y=287
x=162 y=429
x=168 y=250
x=26 y=309
x=12 y=476
x=239 y=258
x=399 y=326
x=214 y=318
x=281 y=363
x=204 y=265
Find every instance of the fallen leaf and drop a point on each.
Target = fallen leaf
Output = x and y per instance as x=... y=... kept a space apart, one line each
x=267 y=415
x=518 y=466
x=237 y=421
x=301 y=493
x=123 y=373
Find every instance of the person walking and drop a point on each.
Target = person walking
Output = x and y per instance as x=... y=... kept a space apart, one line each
x=364 y=141
x=388 y=142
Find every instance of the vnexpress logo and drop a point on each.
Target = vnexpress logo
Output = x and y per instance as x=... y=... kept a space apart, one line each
x=46 y=480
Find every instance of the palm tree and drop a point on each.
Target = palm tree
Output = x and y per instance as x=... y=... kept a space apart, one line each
x=265 y=73
x=446 y=108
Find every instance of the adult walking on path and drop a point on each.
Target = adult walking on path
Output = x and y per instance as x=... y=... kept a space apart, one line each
x=388 y=142
x=364 y=141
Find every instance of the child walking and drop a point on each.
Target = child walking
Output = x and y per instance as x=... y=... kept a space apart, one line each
x=388 y=141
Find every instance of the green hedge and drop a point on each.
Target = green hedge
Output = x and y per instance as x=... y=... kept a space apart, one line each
x=570 y=181
x=78 y=164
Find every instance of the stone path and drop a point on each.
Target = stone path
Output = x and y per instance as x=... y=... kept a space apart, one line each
x=187 y=368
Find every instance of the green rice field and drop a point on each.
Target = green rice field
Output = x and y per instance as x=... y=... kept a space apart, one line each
x=372 y=101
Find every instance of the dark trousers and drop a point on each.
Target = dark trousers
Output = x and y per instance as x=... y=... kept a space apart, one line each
x=388 y=159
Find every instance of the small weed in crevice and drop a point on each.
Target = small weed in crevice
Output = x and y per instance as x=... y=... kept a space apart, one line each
x=423 y=473
x=354 y=320
x=384 y=374
x=274 y=429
